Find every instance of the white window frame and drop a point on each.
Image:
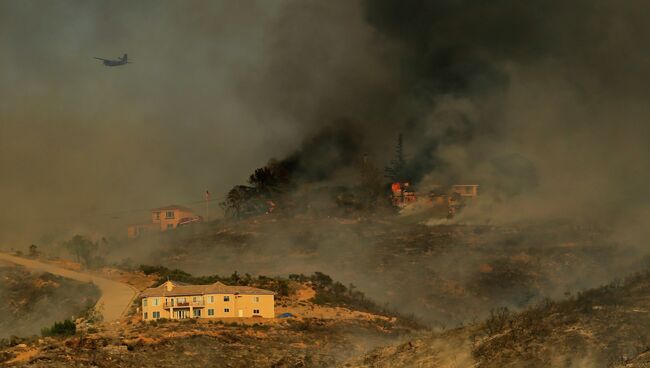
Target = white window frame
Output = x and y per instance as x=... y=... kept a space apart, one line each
x=167 y=215
x=211 y=299
x=256 y=311
x=155 y=315
x=226 y=310
x=226 y=298
x=155 y=302
x=210 y=312
x=144 y=302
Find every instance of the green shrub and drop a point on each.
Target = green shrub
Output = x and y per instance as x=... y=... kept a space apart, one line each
x=65 y=328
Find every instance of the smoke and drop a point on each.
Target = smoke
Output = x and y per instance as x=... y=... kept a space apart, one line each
x=534 y=99
x=542 y=104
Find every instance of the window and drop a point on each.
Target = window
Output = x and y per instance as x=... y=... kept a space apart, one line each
x=169 y=214
x=155 y=315
x=226 y=310
x=256 y=311
x=155 y=301
x=197 y=313
x=256 y=299
x=144 y=302
x=210 y=312
x=144 y=315
x=211 y=299
x=156 y=215
x=226 y=298
x=170 y=226
x=195 y=299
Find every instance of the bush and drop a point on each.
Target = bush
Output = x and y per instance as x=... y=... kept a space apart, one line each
x=498 y=320
x=65 y=328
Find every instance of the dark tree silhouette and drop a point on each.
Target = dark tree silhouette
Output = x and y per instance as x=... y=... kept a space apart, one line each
x=396 y=170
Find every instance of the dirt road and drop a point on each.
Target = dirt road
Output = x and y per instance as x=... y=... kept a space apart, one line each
x=116 y=296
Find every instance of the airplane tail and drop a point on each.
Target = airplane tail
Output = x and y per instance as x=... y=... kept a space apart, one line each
x=125 y=57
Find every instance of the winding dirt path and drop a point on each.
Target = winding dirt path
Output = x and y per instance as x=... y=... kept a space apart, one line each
x=116 y=296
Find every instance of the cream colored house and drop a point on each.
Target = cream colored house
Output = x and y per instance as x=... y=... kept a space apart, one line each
x=175 y=300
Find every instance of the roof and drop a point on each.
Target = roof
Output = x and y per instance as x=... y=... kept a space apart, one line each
x=173 y=207
x=180 y=289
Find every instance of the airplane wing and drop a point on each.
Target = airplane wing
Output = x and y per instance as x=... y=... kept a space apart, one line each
x=100 y=59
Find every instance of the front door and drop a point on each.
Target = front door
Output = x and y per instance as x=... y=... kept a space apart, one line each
x=241 y=313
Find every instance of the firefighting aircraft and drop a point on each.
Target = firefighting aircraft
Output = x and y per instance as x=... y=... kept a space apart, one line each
x=120 y=61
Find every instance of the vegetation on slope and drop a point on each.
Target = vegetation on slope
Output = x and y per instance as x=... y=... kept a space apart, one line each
x=328 y=291
x=32 y=301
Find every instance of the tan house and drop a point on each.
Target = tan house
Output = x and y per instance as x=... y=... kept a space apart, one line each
x=175 y=300
x=466 y=190
x=163 y=219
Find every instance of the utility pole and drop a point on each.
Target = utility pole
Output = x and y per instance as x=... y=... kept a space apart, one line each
x=207 y=205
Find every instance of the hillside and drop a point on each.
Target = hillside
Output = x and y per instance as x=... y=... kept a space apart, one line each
x=32 y=301
x=602 y=327
x=319 y=334
x=444 y=274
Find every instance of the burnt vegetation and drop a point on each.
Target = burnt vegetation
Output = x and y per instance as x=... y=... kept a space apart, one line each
x=305 y=179
x=328 y=292
x=32 y=301
x=606 y=323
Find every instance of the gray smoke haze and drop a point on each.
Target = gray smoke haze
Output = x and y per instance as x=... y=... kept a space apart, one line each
x=543 y=104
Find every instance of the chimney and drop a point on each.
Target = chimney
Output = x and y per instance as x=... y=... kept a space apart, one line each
x=169 y=285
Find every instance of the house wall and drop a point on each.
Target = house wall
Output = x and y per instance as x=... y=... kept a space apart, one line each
x=152 y=307
x=164 y=222
x=466 y=190
x=245 y=303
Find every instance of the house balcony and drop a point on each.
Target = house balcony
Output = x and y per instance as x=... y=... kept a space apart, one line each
x=197 y=304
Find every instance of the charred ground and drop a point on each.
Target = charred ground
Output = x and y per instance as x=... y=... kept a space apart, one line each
x=32 y=301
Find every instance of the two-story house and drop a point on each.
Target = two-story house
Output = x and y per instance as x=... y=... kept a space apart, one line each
x=163 y=219
x=175 y=300
x=170 y=217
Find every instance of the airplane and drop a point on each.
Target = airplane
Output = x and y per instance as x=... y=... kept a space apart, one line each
x=120 y=61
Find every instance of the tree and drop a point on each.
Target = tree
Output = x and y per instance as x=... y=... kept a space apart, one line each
x=33 y=251
x=82 y=248
x=396 y=170
x=270 y=180
x=238 y=200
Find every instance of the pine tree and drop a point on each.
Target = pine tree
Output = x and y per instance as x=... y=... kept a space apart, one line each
x=396 y=171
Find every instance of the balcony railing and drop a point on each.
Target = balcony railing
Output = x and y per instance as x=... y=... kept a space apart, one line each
x=186 y=304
